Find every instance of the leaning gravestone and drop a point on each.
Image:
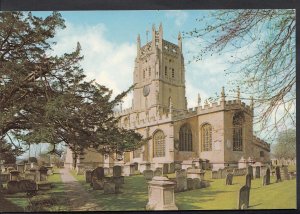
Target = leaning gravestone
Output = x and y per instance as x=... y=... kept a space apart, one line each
x=243 y=197
x=98 y=172
x=248 y=180
x=158 y=172
x=250 y=171
x=277 y=172
x=181 y=180
x=148 y=174
x=165 y=168
x=257 y=172
x=229 y=178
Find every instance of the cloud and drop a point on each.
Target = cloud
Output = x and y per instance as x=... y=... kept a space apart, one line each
x=179 y=16
x=107 y=62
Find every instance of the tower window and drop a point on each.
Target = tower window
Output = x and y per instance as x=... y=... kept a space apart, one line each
x=173 y=73
x=144 y=74
x=238 y=120
x=206 y=137
x=149 y=72
x=185 y=138
x=166 y=71
x=159 y=144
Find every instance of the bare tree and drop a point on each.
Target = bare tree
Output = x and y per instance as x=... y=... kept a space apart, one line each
x=262 y=48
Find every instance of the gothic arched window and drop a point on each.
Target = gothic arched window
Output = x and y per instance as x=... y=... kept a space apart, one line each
x=206 y=137
x=185 y=138
x=238 y=120
x=159 y=144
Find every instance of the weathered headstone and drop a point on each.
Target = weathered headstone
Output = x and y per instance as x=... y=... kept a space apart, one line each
x=21 y=168
x=178 y=165
x=248 y=180
x=267 y=177
x=88 y=176
x=161 y=194
x=205 y=184
x=257 y=172
x=158 y=172
x=286 y=175
x=148 y=174
x=172 y=167
x=250 y=171
x=97 y=184
x=106 y=171
x=196 y=183
x=214 y=174
x=117 y=171
x=43 y=173
x=14 y=175
x=109 y=187
x=136 y=166
x=181 y=180
x=243 y=197
x=278 y=175
x=27 y=186
x=165 y=168
x=190 y=183
x=13 y=187
x=229 y=178
x=98 y=172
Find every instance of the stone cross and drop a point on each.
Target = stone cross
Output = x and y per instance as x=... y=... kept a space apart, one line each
x=243 y=197
x=229 y=178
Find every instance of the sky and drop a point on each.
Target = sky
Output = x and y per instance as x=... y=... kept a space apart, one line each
x=108 y=42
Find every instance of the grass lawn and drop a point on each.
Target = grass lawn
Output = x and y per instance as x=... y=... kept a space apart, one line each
x=134 y=195
x=56 y=194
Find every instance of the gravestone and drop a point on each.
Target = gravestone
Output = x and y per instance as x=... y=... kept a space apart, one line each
x=277 y=172
x=21 y=168
x=13 y=187
x=257 y=172
x=229 y=178
x=196 y=183
x=88 y=176
x=204 y=184
x=243 y=197
x=43 y=173
x=109 y=187
x=158 y=172
x=117 y=171
x=286 y=175
x=28 y=186
x=165 y=168
x=250 y=171
x=172 y=168
x=177 y=165
x=14 y=175
x=181 y=180
x=161 y=194
x=136 y=166
x=148 y=174
x=248 y=180
x=97 y=184
x=214 y=174
x=266 y=180
x=190 y=183
x=98 y=172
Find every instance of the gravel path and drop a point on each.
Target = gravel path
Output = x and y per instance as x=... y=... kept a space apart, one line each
x=79 y=198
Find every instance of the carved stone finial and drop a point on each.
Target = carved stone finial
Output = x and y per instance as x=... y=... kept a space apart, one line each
x=223 y=94
x=199 y=100
x=238 y=93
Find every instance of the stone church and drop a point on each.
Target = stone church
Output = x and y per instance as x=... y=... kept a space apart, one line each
x=219 y=134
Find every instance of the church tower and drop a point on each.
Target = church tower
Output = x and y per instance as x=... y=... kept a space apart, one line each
x=159 y=75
